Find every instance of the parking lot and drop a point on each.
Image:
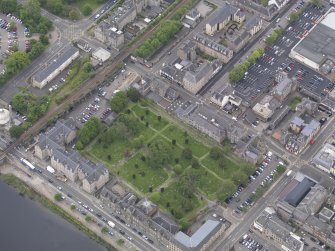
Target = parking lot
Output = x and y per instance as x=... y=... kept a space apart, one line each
x=260 y=77
x=10 y=40
x=251 y=241
x=263 y=175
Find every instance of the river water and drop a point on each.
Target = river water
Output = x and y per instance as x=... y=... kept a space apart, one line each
x=27 y=225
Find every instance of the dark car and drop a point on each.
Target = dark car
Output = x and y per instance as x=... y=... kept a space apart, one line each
x=69 y=195
x=50 y=180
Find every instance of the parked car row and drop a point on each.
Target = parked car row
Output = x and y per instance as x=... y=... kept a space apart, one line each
x=250 y=243
x=90 y=110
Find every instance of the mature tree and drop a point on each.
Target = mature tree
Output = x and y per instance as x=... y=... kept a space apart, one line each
x=226 y=190
x=215 y=153
x=87 y=67
x=20 y=102
x=74 y=14
x=294 y=16
x=104 y=230
x=88 y=218
x=16 y=62
x=36 y=49
x=195 y=163
x=239 y=178
x=44 y=39
x=89 y=131
x=178 y=169
x=33 y=8
x=187 y=153
x=119 y=102
x=8 y=6
x=133 y=94
x=87 y=10
x=159 y=153
x=133 y=125
x=56 y=6
x=16 y=131
x=58 y=197
x=222 y=163
x=12 y=26
x=73 y=207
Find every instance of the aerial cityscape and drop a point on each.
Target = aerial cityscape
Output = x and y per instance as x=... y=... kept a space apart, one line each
x=167 y=125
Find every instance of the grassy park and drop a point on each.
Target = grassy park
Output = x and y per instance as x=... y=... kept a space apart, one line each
x=163 y=161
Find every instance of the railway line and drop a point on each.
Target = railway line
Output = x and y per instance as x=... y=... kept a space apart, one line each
x=89 y=86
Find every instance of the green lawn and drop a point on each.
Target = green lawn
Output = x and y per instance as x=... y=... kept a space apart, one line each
x=145 y=176
x=173 y=132
x=115 y=150
x=171 y=199
x=138 y=174
x=207 y=182
x=225 y=173
x=150 y=117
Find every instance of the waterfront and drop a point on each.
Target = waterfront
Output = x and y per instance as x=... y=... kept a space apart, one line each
x=26 y=225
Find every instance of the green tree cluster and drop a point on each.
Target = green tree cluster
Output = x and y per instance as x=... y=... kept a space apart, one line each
x=162 y=36
x=274 y=36
x=294 y=16
x=32 y=106
x=66 y=8
x=88 y=132
x=133 y=94
x=239 y=71
x=119 y=102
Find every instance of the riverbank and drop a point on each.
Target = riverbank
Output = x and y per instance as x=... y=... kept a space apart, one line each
x=36 y=189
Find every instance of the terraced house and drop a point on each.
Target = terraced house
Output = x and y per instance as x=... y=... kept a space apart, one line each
x=54 y=145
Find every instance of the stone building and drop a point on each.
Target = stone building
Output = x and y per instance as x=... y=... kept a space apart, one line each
x=69 y=162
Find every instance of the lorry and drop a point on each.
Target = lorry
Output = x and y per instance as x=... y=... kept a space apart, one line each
x=50 y=169
x=111 y=224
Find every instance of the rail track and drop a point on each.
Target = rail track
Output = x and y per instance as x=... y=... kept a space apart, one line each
x=87 y=87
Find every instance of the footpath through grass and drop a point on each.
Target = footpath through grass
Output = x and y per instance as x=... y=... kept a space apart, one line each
x=188 y=162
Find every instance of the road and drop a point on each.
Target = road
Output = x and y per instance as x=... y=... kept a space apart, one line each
x=91 y=202
x=89 y=85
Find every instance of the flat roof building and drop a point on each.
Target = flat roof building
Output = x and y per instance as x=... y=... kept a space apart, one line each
x=319 y=44
x=55 y=67
x=101 y=55
x=325 y=159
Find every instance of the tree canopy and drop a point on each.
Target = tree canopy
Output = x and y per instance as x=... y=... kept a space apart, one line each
x=119 y=102
x=88 y=132
x=159 y=153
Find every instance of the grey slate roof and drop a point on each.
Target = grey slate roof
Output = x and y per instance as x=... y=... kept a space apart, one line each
x=54 y=140
x=252 y=22
x=199 y=73
x=56 y=62
x=194 y=241
x=200 y=38
x=222 y=14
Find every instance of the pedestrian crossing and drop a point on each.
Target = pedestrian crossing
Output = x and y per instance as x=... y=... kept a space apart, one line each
x=73 y=32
